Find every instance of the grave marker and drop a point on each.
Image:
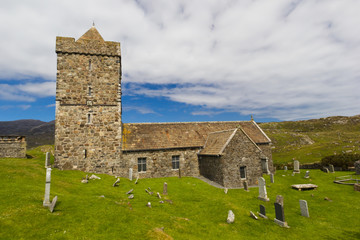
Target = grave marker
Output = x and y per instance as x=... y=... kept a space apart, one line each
x=46 y=202
x=262 y=190
x=304 y=208
x=296 y=166
x=130 y=174
x=279 y=215
x=53 y=203
x=272 y=178
x=307 y=174
x=331 y=168
x=165 y=189
x=285 y=168
x=231 y=217
x=280 y=200
x=246 y=187
x=262 y=212
x=47 y=160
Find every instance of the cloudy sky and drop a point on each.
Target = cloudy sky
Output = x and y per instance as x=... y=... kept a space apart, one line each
x=195 y=60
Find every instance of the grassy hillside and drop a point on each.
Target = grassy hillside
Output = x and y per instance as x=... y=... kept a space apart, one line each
x=308 y=141
x=194 y=210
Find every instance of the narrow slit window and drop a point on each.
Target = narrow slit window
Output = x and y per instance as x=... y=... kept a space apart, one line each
x=242 y=172
x=90 y=66
x=85 y=153
x=88 y=118
x=89 y=91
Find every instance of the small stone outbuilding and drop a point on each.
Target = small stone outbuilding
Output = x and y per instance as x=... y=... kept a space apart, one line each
x=12 y=147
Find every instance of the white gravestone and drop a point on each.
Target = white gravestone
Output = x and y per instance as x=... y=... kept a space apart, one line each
x=285 y=168
x=165 y=189
x=296 y=166
x=47 y=160
x=307 y=174
x=231 y=217
x=46 y=202
x=130 y=174
x=262 y=190
x=304 y=208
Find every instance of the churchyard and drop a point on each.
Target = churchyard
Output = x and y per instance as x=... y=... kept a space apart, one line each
x=191 y=209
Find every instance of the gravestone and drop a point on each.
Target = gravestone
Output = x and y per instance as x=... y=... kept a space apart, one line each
x=326 y=170
x=357 y=167
x=246 y=187
x=130 y=174
x=225 y=190
x=131 y=190
x=262 y=190
x=116 y=182
x=253 y=215
x=285 y=168
x=148 y=204
x=262 y=212
x=131 y=196
x=47 y=159
x=280 y=200
x=158 y=195
x=307 y=174
x=231 y=217
x=165 y=189
x=46 y=202
x=53 y=203
x=331 y=168
x=137 y=179
x=279 y=215
x=296 y=166
x=304 y=208
x=94 y=177
x=272 y=178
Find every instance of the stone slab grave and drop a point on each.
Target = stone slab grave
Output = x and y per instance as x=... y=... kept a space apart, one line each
x=307 y=174
x=46 y=202
x=304 y=208
x=262 y=190
x=296 y=166
x=302 y=187
x=279 y=215
x=262 y=212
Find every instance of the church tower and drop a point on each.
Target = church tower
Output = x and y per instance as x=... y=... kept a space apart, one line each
x=88 y=103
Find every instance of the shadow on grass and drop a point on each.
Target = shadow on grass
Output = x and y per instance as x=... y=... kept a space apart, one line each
x=29 y=156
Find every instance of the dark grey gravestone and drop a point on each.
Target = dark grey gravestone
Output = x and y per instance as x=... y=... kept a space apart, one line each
x=246 y=187
x=272 y=178
x=262 y=212
x=279 y=212
x=53 y=203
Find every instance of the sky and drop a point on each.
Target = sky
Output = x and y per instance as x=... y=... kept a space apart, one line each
x=194 y=60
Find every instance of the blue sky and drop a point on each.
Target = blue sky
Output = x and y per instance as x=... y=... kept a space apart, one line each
x=192 y=60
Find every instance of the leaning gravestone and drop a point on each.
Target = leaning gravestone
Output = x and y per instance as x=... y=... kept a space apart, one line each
x=165 y=189
x=231 y=217
x=331 y=168
x=137 y=179
x=47 y=159
x=296 y=166
x=262 y=212
x=304 y=208
x=130 y=174
x=116 y=182
x=285 y=168
x=307 y=174
x=326 y=170
x=272 y=178
x=279 y=214
x=253 y=215
x=246 y=187
x=262 y=190
x=46 y=202
x=53 y=203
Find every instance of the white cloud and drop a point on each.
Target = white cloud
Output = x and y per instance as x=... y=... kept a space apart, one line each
x=280 y=59
x=142 y=110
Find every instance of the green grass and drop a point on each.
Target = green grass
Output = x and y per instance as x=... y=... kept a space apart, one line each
x=198 y=211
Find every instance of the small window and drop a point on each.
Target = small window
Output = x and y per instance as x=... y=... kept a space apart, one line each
x=242 y=172
x=89 y=91
x=85 y=153
x=175 y=162
x=90 y=66
x=141 y=164
x=89 y=118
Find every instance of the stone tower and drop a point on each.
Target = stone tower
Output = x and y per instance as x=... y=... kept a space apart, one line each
x=88 y=103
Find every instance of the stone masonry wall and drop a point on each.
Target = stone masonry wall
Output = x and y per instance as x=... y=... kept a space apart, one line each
x=266 y=149
x=211 y=167
x=88 y=105
x=241 y=152
x=12 y=147
x=159 y=163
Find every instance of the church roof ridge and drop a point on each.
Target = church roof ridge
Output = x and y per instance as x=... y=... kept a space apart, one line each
x=92 y=34
x=149 y=123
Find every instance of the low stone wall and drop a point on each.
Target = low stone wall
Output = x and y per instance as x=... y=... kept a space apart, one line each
x=12 y=147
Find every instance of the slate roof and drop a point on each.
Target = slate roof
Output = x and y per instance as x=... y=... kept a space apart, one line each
x=151 y=136
x=91 y=34
x=217 y=141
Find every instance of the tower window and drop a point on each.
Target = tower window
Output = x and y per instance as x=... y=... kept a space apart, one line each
x=175 y=162
x=90 y=66
x=141 y=164
x=85 y=153
x=89 y=91
x=89 y=118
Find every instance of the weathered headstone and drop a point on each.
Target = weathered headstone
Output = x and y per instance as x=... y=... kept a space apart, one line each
x=158 y=195
x=253 y=215
x=225 y=190
x=165 y=189
x=307 y=174
x=304 y=208
x=266 y=166
x=331 y=168
x=285 y=168
x=116 y=182
x=94 y=177
x=53 y=203
x=46 y=202
x=131 y=196
x=325 y=169
x=280 y=200
x=272 y=178
x=246 y=187
x=262 y=190
x=262 y=212
x=137 y=179
x=279 y=215
x=130 y=174
x=231 y=217
x=296 y=166
x=47 y=159
x=131 y=190
x=357 y=167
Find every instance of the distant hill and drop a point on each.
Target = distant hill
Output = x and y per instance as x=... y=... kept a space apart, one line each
x=310 y=140
x=37 y=132
x=307 y=141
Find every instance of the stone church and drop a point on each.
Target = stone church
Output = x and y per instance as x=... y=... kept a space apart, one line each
x=90 y=135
